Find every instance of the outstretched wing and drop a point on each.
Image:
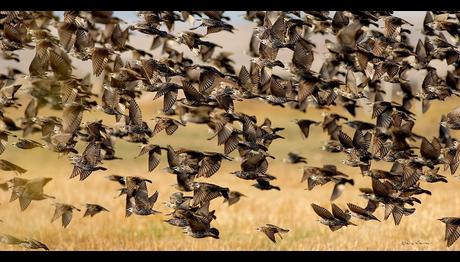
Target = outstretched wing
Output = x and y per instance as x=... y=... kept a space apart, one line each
x=322 y=212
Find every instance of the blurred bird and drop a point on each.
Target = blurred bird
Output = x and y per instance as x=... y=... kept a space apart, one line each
x=270 y=230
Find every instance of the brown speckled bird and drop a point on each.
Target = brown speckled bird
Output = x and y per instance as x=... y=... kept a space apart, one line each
x=65 y=212
x=93 y=209
x=271 y=230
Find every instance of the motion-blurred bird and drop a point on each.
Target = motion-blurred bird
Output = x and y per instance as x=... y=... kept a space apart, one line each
x=271 y=230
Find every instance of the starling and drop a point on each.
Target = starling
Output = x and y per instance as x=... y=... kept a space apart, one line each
x=204 y=192
x=334 y=221
x=294 y=158
x=64 y=211
x=93 y=209
x=270 y=231
x=304 y=125
x=234 y=197
x=452 y=229
x=8 y=166
x=364 y=213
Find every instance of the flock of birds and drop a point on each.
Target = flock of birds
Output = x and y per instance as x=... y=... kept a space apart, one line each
x=358 y=62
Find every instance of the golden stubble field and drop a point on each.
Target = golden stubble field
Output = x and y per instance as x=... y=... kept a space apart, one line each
x=288 y=208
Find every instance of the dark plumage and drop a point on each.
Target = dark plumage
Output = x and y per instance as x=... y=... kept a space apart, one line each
x=234 y=197
x=294 y=158
x=88 y=162
x=452 y=229
x=154 y=152
x=271 y=230
x=93 y=209
x=264 y=184
x=204 y=192
x=304 y=125
x=65 y=211
x=334 y=221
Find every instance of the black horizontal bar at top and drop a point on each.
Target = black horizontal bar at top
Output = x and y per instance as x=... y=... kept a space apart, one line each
x=236 y=5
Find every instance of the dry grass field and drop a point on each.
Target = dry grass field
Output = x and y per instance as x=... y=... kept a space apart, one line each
x=288 y=208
